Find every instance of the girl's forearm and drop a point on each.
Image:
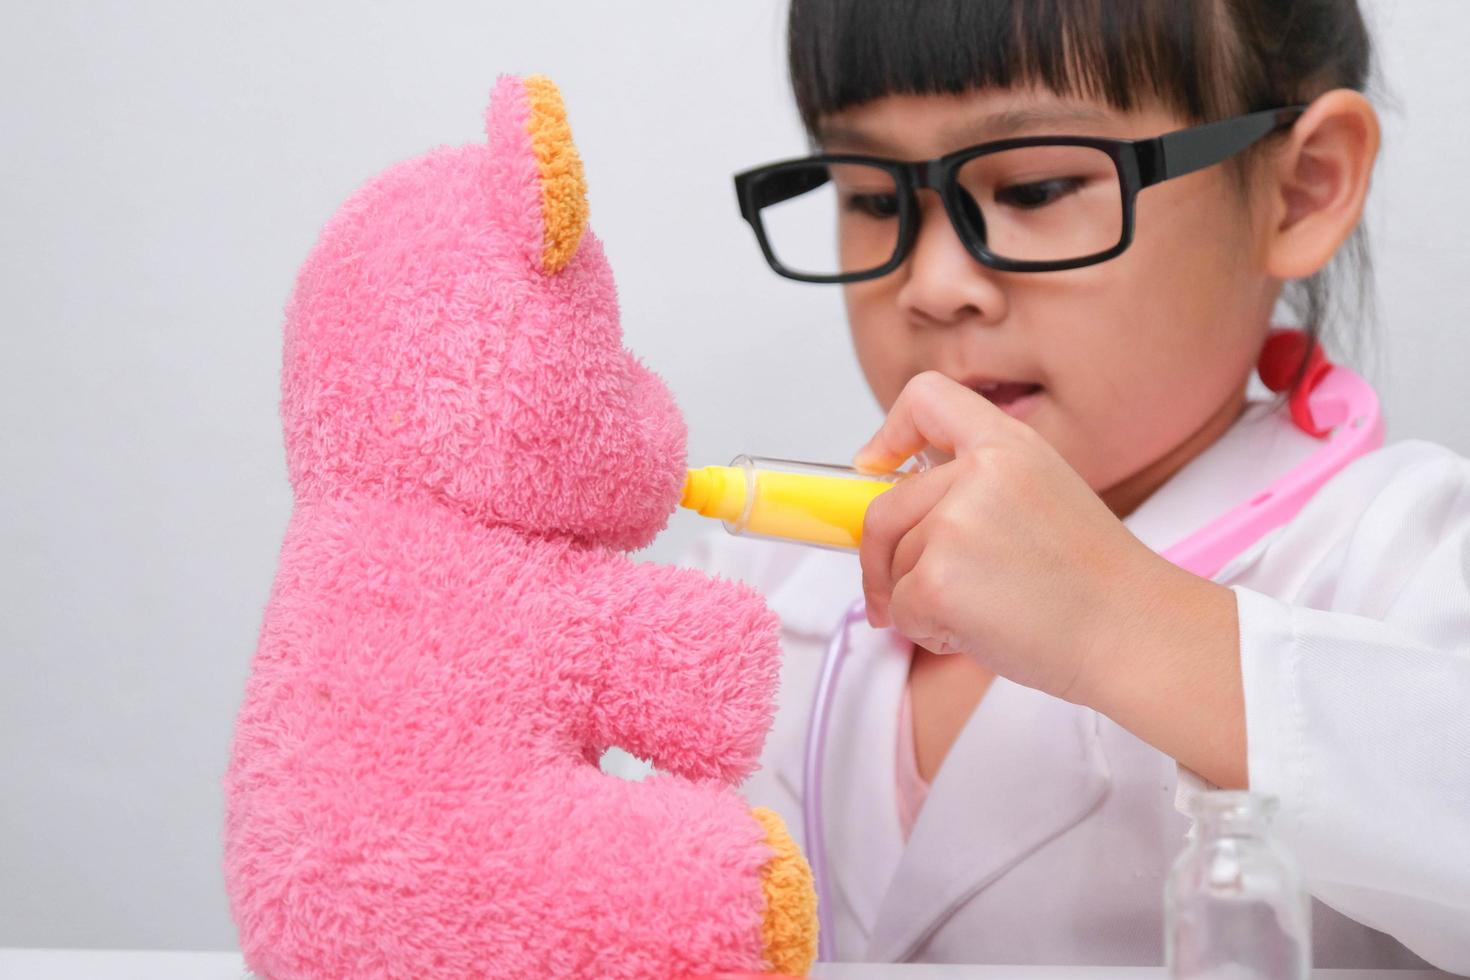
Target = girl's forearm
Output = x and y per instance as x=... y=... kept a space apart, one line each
x=1171 y=673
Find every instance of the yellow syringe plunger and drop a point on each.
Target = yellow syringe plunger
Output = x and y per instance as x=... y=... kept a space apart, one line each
x=776 y=498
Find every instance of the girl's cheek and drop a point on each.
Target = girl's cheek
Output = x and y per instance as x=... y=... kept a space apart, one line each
x=878 y=340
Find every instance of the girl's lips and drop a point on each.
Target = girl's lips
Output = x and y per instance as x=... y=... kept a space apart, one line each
x=1015 y=398
x=1004 y=392
x=1025 y=405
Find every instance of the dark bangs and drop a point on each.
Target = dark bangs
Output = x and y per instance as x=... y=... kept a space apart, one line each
x=1182 y=54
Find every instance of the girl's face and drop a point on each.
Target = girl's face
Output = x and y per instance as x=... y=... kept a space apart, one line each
x=1142 y=360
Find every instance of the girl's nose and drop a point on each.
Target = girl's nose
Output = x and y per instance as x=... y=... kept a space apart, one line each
x=944 y=284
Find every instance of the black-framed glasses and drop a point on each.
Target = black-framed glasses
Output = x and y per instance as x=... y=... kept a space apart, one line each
x=1034 y=204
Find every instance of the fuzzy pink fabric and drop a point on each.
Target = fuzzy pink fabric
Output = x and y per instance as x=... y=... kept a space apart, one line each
x=455 y=635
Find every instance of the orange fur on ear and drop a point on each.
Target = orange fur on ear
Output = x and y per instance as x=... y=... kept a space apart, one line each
x=563 y=187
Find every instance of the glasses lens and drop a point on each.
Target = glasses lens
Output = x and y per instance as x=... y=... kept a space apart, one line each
x=827 y=219
x=1045 y=203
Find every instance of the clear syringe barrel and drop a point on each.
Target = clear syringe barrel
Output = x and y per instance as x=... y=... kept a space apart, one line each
x=814 y=503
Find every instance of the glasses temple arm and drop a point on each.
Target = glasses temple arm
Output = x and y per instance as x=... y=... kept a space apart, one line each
x=1183 y=152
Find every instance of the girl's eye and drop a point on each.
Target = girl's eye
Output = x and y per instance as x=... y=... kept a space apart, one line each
x=874 y=205
x=1039 y=193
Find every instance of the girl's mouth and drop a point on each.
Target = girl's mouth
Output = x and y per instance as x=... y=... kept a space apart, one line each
x=1015 y=398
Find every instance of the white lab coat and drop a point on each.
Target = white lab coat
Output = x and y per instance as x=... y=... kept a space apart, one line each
x=1049 y=831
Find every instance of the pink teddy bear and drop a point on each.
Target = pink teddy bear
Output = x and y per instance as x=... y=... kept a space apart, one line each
x=455 y=634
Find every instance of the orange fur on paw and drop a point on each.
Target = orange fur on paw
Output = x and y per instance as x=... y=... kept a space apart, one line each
x=789 y=934
x=563 y=188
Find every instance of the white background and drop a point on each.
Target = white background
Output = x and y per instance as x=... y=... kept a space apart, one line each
x=165 y=168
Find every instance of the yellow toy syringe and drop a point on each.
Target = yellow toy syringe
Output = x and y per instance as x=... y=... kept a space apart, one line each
x=814 y=503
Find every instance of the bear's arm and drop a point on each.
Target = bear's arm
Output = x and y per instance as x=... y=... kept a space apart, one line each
x=688 y=667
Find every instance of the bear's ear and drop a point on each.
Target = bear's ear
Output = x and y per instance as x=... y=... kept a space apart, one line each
x=535 y=169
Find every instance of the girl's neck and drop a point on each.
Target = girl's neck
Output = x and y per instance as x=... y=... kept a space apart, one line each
x=1126 y=497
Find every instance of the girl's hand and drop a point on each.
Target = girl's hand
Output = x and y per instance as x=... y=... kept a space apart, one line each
x=1005 y=553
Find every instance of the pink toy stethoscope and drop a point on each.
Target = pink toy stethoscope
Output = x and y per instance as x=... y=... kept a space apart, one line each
x=1332 y=404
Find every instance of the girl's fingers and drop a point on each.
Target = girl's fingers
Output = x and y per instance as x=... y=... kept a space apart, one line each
x=932 y=410
x=891 y=517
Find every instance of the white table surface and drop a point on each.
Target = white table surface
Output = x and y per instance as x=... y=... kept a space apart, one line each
x=133 y=964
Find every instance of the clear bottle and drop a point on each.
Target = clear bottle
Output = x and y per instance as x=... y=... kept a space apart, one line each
x=1235 y=907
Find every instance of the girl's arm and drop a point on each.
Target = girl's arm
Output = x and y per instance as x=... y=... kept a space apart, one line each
x=1170 y=672
x=1354 y=716
x=1347 y=699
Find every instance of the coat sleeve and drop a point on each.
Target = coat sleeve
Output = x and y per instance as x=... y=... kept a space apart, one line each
x=1357 y=698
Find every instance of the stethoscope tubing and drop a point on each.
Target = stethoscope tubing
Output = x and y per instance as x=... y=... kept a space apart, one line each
x=816 y=751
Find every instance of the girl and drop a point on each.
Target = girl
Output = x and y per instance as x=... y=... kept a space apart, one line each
x=1037 y=693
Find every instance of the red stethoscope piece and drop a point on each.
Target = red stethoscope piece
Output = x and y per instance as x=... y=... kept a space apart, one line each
x=1280 y=357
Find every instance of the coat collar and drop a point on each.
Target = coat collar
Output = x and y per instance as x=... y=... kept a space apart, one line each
x=860 y=763
x=899 y=893
x=987 y=809
x=1253 y=453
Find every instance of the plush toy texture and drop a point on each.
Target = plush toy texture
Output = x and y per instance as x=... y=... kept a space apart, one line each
x=456 y=633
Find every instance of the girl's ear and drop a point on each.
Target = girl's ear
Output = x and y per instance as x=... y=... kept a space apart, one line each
x=1320 y=183
x=535 y=172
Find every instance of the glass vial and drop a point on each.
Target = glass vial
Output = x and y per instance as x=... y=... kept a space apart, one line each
x=1235 y=907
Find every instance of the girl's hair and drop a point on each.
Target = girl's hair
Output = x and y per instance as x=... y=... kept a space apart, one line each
x=1203 y=59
